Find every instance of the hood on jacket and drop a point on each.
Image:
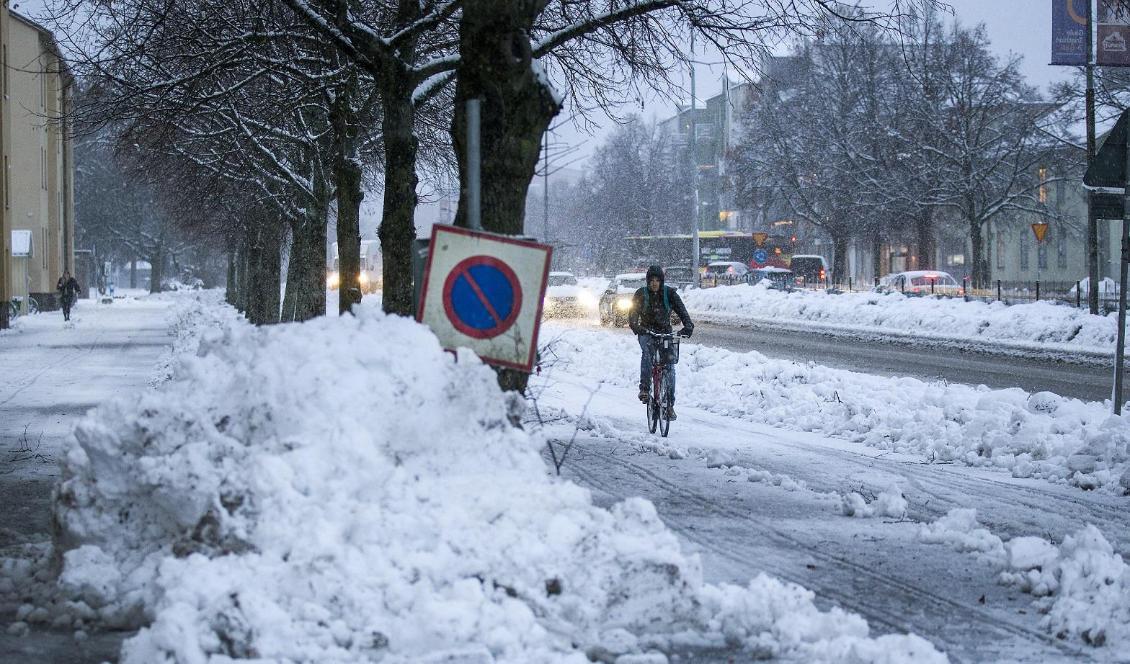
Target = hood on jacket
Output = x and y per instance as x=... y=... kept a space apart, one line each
x=654 y=271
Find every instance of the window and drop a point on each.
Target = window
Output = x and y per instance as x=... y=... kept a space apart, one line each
x=1000 y=249
x=43 y=163
x=1043 y=192
x=44 y=248
x=1024 y=251
x=6 y=77
x=1042 y=255
x=7 y=184
x=1061 y=247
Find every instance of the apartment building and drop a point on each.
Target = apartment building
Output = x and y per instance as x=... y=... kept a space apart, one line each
x=37 y=188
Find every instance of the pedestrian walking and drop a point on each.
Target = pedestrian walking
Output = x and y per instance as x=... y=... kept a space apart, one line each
x=68 y=293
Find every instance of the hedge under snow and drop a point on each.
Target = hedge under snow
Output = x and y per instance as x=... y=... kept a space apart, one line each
x=342 y=490
x=1039 y=324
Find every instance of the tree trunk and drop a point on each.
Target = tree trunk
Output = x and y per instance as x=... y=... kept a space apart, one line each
x=839 y=260
x=924 y=239
x=133 y=273
x=347 y=172
x=979 y=275
x=229 y=286
x=398 y=224
x=876 y=256
x=264 y=273
x=306 y=273
x=156 y=271
x=517 y=107
x=496 y=66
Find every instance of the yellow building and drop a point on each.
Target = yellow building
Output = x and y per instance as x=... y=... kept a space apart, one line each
x=38 y=187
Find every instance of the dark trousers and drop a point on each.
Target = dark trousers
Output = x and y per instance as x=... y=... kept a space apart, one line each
x=648 y=353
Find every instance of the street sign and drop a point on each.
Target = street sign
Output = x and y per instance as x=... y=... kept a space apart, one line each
x=1113 y=34
x=1108 y=169
x=1040 y=230
x=760 y=256
x=484 y=292
x=760 y=238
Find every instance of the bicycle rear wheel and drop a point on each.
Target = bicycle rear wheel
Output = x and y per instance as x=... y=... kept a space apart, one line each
x=32 y=306
x=652 y=414
x=664 y=407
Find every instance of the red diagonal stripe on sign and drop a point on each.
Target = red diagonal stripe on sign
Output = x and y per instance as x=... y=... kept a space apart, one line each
x=482 y=296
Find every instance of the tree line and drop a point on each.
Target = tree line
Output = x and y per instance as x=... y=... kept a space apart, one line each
x=250 y=124
x=875 y=136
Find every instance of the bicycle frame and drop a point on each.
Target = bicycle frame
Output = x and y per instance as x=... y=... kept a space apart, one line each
x=665 y=354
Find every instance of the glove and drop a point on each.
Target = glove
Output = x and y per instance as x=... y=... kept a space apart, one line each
x=636 y=330
x=686 y=332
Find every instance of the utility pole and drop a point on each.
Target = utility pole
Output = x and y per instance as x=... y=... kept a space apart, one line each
x=1092 y=222
x=694 y=177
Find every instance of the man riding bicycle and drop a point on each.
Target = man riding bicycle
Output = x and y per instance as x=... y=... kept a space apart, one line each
x=651 y=312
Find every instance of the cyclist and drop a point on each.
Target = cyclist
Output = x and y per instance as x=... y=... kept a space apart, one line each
x=651 y=312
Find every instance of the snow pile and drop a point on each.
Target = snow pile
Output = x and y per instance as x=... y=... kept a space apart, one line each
x=1037 y=435
x=889 y=503
x=196 y=315
x=343 y=491
x=1085 y=583
x=1042 y=323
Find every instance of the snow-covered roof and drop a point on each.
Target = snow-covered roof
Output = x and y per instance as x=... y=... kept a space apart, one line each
x=631 y=275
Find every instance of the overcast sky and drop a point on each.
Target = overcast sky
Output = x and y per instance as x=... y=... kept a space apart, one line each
x=1022 y=27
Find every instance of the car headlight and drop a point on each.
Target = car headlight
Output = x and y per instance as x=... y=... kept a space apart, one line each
x=333 y=280
x=586 y=299
x=624 y=303
x=363 y=278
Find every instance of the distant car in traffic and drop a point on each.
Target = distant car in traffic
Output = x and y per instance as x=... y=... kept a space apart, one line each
x=616 y=301
x=921 y=282
x=809 y=268
x=679 y=277
x=779 y=278
x=564 y=297
x=726 y=272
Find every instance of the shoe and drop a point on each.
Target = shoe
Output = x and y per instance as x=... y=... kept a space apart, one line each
x=671 y=413
x=644 y=396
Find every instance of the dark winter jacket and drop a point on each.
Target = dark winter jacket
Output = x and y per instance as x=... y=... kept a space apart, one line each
x=68 y=289
x=652 y=311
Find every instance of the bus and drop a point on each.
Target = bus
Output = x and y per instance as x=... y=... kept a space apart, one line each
x=371 y=268
x=757 y=250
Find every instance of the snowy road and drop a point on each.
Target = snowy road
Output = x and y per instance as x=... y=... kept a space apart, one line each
x=1088 y=381
x=777 y=509
x=55 y=372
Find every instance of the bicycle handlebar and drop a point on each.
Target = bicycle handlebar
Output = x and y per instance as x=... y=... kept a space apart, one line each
x=665 y=335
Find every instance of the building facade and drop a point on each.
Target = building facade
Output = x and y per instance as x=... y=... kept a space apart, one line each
x=38 y=167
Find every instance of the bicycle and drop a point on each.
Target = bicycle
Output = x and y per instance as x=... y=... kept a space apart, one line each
x=15 y=307
x=665 y=354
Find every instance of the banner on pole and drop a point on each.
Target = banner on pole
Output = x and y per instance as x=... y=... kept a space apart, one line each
x=1113 y=34
x=1069 y=31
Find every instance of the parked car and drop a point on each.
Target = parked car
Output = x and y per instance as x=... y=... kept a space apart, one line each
x=564 y=297
x=921 y=282
x=678 y=276
x=809 y=268
x=779 y=278
x=726 y=272
x=616 y=301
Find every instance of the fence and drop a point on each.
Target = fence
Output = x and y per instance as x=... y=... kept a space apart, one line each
x=1071 y=293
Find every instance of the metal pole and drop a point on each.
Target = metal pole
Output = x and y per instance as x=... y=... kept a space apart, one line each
x=1120 y=348
x=474 y=167
x=695 y=250
x=1092 y=222
x=545 y=190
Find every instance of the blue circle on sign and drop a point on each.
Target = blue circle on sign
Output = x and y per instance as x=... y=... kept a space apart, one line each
x=761 y=256
x=482 y=297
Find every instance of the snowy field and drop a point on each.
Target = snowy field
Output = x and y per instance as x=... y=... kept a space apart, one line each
x=341 y=490
x=1038 y=326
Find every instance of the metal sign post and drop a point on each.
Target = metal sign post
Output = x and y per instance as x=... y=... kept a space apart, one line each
x=1120 y=348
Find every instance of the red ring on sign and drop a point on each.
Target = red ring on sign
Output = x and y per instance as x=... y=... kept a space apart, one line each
x=462 y=269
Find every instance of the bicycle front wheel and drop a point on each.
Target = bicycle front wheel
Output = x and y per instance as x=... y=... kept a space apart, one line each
x=652 y=414
x=664 y=407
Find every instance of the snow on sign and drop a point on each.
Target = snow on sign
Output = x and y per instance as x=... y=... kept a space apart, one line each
x=484 y=292
x=21 y=243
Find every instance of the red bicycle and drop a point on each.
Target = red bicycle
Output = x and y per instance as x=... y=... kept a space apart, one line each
x=664 y=355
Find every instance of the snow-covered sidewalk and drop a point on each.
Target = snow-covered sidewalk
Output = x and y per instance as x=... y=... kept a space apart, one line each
x=341 y=490
x=1036 y=327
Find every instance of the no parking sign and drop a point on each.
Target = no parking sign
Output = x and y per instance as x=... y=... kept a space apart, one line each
x=484 y=292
